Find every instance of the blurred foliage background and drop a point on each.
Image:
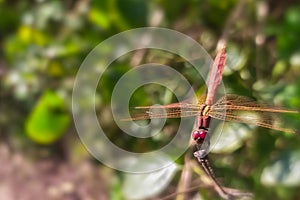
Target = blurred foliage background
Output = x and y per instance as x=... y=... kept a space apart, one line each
x=43 y=45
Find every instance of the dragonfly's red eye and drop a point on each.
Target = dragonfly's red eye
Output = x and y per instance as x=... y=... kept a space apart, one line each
x=196 y=135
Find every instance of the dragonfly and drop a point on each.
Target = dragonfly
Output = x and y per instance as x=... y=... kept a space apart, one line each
x=230 y=107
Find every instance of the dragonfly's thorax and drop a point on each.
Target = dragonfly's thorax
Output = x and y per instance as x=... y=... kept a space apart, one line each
x=202 y=124
x=204 y=112
x=204 y=118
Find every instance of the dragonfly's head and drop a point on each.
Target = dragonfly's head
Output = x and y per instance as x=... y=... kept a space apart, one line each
x=199 y=135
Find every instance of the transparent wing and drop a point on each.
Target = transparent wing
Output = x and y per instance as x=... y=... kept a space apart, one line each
x=176 y=110
x=242 y=109
x=235 y=102
x=168 y=111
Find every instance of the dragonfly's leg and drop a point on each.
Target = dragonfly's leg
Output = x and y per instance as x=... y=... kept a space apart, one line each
x=202 y=146
x=200 y=154
x=209 y=171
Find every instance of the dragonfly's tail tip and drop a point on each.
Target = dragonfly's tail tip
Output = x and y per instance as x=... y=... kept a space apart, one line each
x=221 y=45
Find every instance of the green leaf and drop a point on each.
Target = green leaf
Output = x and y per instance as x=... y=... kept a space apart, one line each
x=236 y=59
x=141 y=186
x=135 y=17
x=48 y=119
x=232 y=137
x=99 y=18
x=284 y=171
